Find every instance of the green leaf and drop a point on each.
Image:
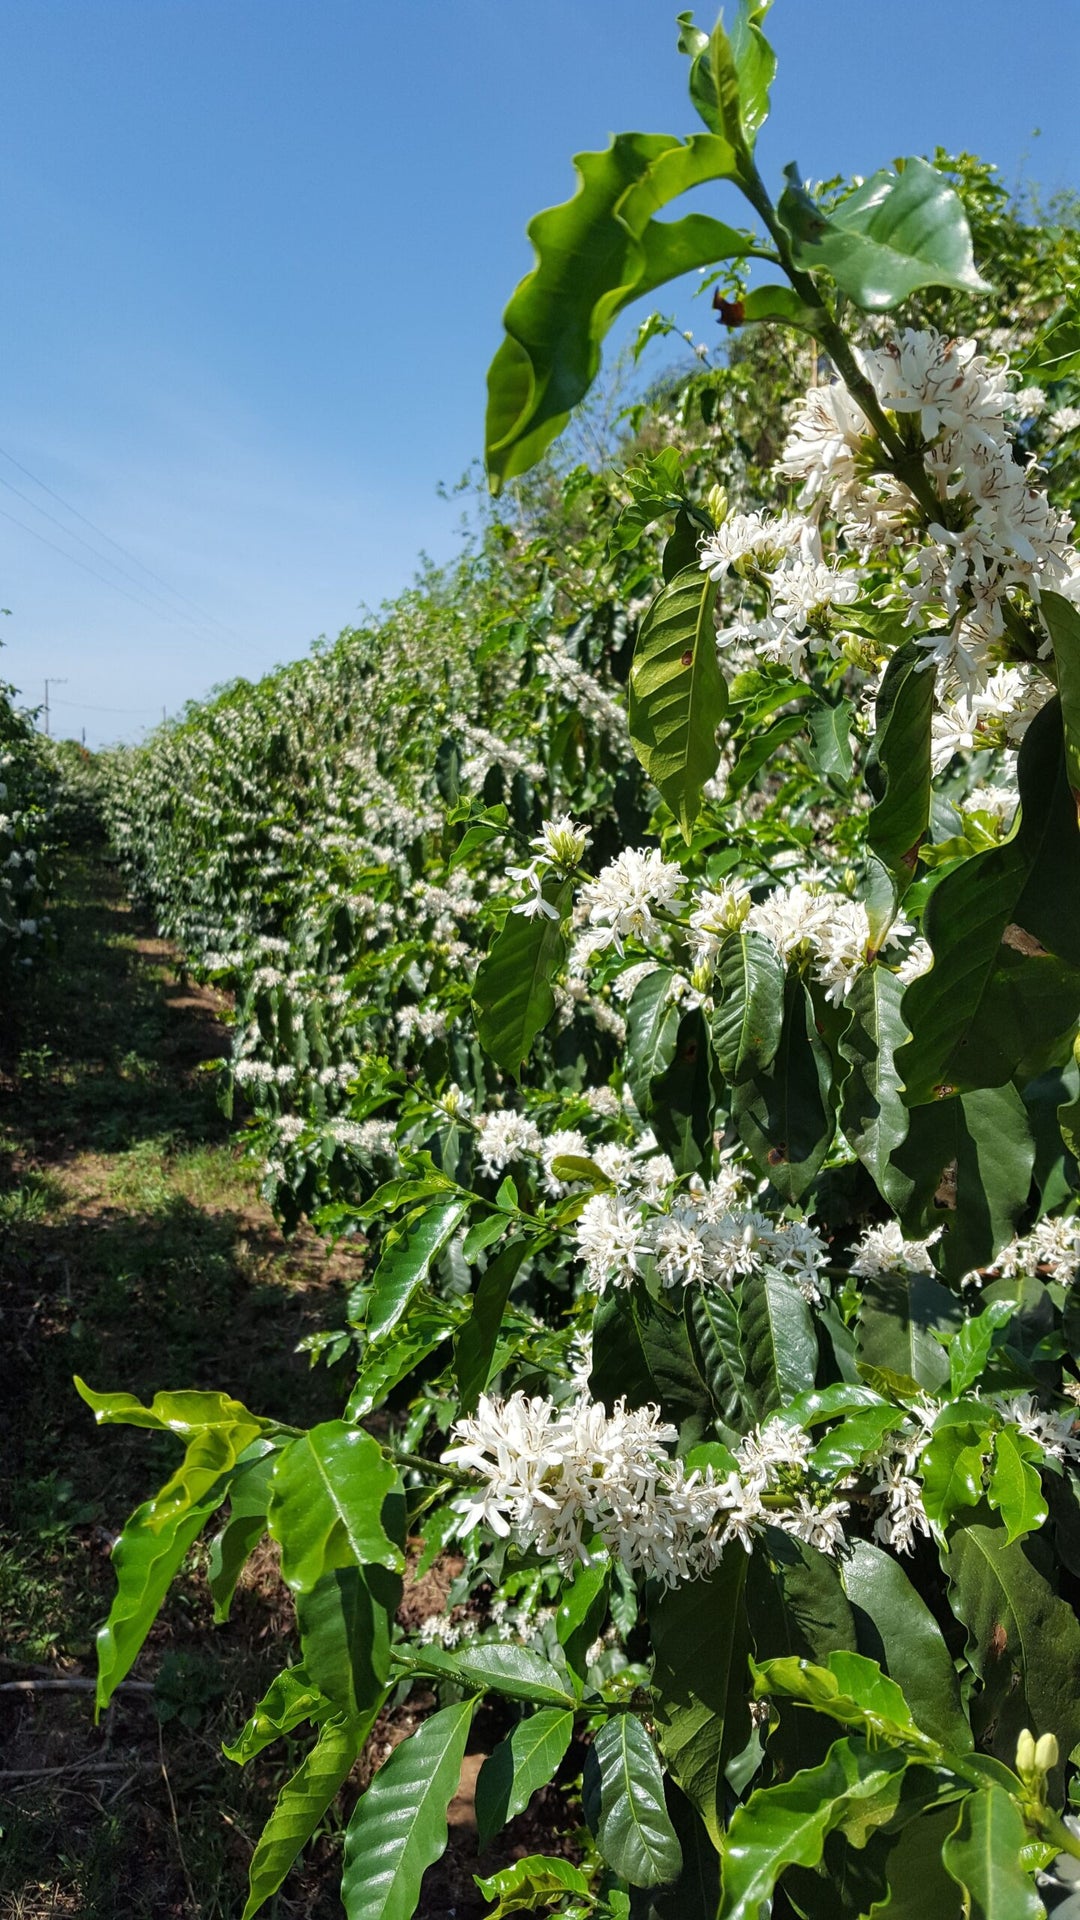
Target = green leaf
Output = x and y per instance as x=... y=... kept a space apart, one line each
x=426 y=1326
x=784 y=1113
x=1062 y=621
x=899 y=1316
x=682 y=1115
x=1027 y=889
x=730 y=75
x=787 y=1825
x=1023 y=1640
x=898 y=764
x=513 y=992
x=778 y=1340
x=474 y=1348
x=830 y=732
x=326 y=1504
x=595 y=254
x=344 y=1622
x=873 y=1115
x=896 y=233
x=1015 y=1486
x=517 y=1672
x=525 y=1760
x=700 y=1681
x=652 y=1031
x=967 y=1164
x=983 y=1856
x=952 y=1471
x=300 y=1806
x=677 y=694
x=896 y=1628
x=850 y=1688
x=712 y=1320
x=289 y=1700
x=406 y=1262
x=583 y=1610
x=184 y=1413
x=749 y=991
x=249 y=1500
x=623 y=1797
x=969 y=1349
x=399 y=1825
x=532 y=1884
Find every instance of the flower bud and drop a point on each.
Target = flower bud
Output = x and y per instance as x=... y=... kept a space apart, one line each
x=716 y=501
x=1046 y=1752
x=1025 y=1752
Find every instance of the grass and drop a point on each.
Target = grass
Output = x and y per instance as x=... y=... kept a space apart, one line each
x=134 y=1250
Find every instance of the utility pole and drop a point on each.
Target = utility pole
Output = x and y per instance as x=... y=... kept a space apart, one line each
x=51 y=682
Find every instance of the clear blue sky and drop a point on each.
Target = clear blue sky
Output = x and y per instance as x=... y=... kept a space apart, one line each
x=255 y=254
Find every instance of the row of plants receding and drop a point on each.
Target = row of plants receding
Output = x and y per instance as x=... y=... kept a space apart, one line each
x=658 y=937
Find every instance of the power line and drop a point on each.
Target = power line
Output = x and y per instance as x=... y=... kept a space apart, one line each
x=141 y=564
x=145 y=605
x=84 y=706
x=70 y=534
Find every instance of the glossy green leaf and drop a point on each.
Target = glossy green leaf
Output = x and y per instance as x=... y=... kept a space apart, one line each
x=1023 y=1639
x=897 y=232
x=1062 y=621
x=952 y=1471
x=786 y=1825
x=846 y=1445
x=623 y=1797
x=407 y=1259
x=474 y=1348
x=899 y=1316
x=595 y=254
x=849 y=1688
x=700 y=1681
x=682 y=1112
x=896 y=1628
x=967 y=1165
x=344 y=1622
x=145 y=1559
x=784 y=1112
x=731 y=73
x=525 y=1760
x=289 y=1700
x=249 y=1500
x=517 y=1672
x=513 y=993
x=983 y=1856
x=898 y=764
x=873 y=1115
x=300 y=1806
x=1015 y=1485
x=969 y=1349
x=326 y=1504
x=531 y=1884
x=652 y=1030
x=425 y=1326
x=1026 y=893
x=583 y=1610
x=399 y=1825
x=919 y=1887
x=712 y=1319
x=830 y=734
x=677 y=693
x=184 y=1413
x=778 y=1341
x=749 y=994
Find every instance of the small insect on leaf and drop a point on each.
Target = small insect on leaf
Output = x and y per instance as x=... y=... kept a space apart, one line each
x=730 y=313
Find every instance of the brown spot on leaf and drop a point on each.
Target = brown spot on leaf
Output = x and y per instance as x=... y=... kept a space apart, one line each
x=999 y=1640
x=910 y=859
x=946 y=1191
x=688 y=657
x=730 y=313
x=944 y=1092
x=777 y=1156
x=1021 y=941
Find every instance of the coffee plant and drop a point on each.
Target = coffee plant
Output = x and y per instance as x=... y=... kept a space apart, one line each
x=27 y=792
x=660 y=941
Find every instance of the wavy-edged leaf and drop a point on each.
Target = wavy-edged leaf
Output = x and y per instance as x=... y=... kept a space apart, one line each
x=1025 y=893
x=595 y=254
x=407 y=1258
x=897 y=232
x=731 y=73
x=896 y=1628
x=952 y=1471
x=850 y=1688
x=513 y=993
x=344 y=1622
x=1015 y=1485
x=398 y=1828
x=898 y=764
x=701 y=1646
x=1023 y=1639
x=184 y=1412
x=749 y=993
x=784 y=1112
x=289 y=1700
x=474 y=1348
x=787 y=1825
x=517 y=1672
x=983 y=1855
x=623 y=1796
x=531 y=1884
x=778 y=1341
x=145 y=1559
x=678 y=695
x=300 y=1806
x=326 y=1502
x=249 y=1501
x=425 y=1327
x=652 y=1030
x=712 y=1320
x=525 y=1760
x=873 y=1115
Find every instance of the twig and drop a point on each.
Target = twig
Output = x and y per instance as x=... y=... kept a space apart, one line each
x=74 y=1766
x=72 y=1686
x=176 y=1828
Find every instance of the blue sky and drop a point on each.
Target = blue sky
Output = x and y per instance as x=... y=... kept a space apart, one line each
x=256 y=252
